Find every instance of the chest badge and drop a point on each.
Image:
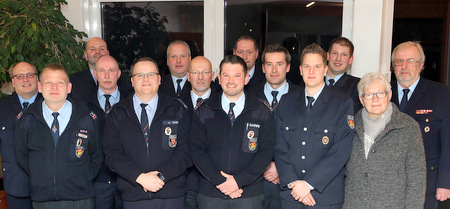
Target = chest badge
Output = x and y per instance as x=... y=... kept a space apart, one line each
x=168 y=131
x=79 y=150
x=427 y=129
x=325 y=140
x=172 y=140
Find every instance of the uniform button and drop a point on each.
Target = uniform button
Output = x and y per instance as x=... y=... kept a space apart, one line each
x=4 y=169
x=426 y=120
x=3 y=128
x=325 y=131
x=303 y=143
x=432 y=167
x=303 y=171
x=287 y=128
x=366 y=175
x=303 y=157
x=109 y=182
x=305 y=129
x=373 y=151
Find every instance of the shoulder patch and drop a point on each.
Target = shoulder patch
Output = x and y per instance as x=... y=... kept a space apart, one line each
x=351 y=121
x=19 y=115
x=93 y=115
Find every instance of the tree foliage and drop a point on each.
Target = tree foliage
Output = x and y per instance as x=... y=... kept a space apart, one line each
x=37 y=32
x=133 y=32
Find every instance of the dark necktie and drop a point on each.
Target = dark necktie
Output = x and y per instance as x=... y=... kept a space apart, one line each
x=331 y=82
x=107 y=104
x=25 y=105
x=274 y=100
x=55 y=127
x=231 y=113
x=144 y=122
x=310 y=101
x=179 y=87
x=404 y=100
x=198 y=102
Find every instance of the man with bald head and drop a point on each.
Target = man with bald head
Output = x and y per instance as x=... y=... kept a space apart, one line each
x=200 y=76
x=107 y=73
x=24 y=77
x=85 y=83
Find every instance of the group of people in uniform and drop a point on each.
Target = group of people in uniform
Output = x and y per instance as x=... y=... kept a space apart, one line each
x=246 y=138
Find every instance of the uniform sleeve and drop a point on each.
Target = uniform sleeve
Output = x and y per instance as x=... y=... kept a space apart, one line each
x=115 y=157
x=336 y=157
x=444 y=162
x=415 y=169
x=180 y=160
x=96 y=151
x=199 y=146
x=20 y=145
x=262 y=158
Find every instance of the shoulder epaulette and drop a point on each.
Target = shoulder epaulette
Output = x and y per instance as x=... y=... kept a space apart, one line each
x=19 y=115
x=93 y=115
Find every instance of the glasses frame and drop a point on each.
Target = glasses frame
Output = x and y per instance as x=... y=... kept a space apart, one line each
x=409 y=62
x=22 y=76
x=380 y=94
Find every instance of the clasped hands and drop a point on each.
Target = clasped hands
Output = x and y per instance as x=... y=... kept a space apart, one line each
x=229 y=187
x=302 y=193
x=150 y=181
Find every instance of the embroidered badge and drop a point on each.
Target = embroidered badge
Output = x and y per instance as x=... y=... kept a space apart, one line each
x=168 y=131
x=79 y=150
x=252 y=144
x=172 y=141
x=350 y=121
x=250 y=134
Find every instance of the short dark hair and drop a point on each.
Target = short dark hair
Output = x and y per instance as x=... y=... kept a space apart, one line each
x=142 y=59
x=233 y=59
x=343 y=42
x=246 y=38
x=273 y=48
x=314 y=49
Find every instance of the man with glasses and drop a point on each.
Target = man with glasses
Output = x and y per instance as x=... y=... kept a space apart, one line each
x=314 y=129
x=340 y=57
x=15 y=181
x=428 y=103
x=176 y=84
x=146 y=143
x=200 y=76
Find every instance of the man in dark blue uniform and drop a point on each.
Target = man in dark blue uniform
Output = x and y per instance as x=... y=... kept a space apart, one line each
x=340 y=57
x=57 y=144
x=232 y=143
x=150 y=151
x=24 y=79
x=176 y=83
x=107 y=73
x=84 y=82
x=247 y=48
x=276 y=64
x=200 y=76
x=428 y=103
x=314 y=129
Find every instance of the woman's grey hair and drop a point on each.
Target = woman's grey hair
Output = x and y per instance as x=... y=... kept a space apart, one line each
x=369 y=78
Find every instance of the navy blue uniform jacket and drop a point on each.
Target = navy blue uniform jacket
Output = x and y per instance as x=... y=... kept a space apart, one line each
x=15 y=180
x=56 y=172
x=127 y=154
x=429 y=105
x=314 y=147
x=348 y=85
x=243 y=149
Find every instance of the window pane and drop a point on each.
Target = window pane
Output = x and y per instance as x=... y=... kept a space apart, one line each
x=144 y=29
x=290 y=23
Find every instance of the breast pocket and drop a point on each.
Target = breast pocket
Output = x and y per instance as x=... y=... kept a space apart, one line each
x=79 y=145
x=250 y=138
x=169 y=134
